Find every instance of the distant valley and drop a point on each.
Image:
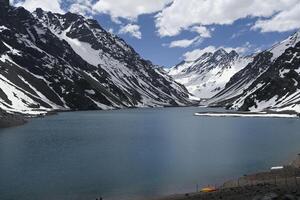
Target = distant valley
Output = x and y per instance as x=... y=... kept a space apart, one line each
x=54 y=62
x=268 y=80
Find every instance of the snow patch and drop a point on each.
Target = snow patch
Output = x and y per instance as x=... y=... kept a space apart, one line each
x=205 y=79
x=3 y=28
x=256 y=115
x=92 y=92
x=278 y=49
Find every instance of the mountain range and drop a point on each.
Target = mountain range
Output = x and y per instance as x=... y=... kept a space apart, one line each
x=207 y=75
x=51 y=61
x=54 y=61
x=268 y=80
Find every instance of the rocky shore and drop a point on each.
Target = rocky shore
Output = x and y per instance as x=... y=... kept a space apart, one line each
x=9 y=120
x=256 y=192
x=279 y=183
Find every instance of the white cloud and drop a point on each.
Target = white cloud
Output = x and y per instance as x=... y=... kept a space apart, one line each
x=177 y=15
x=129 y=9
x=202 y=30
x=83 y=7
x=284 y=21
x=185 y=43
x=182 y=14
x=48 y=5
x=132 y=29
x=240 y=50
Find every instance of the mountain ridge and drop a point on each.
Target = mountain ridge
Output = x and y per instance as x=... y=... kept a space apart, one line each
x=207 y=75
x=269 y=82
x=68 y=62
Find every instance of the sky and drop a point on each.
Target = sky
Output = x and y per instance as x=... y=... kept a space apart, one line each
x=169 y=31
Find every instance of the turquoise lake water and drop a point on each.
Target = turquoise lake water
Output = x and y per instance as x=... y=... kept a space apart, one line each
x=137 y=153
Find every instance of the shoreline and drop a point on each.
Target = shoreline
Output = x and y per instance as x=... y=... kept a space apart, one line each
x=14 y=119
x=8 y=120
x=281 y=182
x=248 y=114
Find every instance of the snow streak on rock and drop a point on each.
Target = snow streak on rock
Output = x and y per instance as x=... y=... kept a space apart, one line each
x=208 y=75
x=54 y=62
x=270 y=82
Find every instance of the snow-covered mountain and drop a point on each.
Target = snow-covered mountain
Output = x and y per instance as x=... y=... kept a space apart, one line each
x=271 y=81
x=51 y=61
x=208 y=75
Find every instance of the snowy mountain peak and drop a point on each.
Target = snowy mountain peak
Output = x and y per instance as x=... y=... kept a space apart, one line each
x=279 y=48
x=208 y=74
x=202 y=57
x=54 y=61
x=220 y=52
x=222 y=55
x=271 y=81
x=233 y=54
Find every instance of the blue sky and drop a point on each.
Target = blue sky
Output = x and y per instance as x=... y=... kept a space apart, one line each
x=168 y=31
x=151 y=46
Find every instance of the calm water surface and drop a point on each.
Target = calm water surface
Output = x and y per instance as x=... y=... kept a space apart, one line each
x=136 y=154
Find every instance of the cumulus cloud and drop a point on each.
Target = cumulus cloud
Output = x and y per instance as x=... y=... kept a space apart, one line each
x=83 y=7
x=177 y=15
x=129 y=9
x=202 y=30
x=185 y=42
x=132 y=29
x=182 y=14
x=284 y=21
x=49 y=5
x=240 y=50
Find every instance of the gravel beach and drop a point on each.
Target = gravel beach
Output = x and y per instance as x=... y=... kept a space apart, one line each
x=281 y=183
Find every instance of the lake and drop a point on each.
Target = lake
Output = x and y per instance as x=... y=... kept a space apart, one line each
x=137 y=153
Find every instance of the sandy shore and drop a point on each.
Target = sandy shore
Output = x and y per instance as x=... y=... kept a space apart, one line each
x=274 y=184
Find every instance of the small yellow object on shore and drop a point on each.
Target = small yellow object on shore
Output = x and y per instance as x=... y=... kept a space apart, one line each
x=208 y=189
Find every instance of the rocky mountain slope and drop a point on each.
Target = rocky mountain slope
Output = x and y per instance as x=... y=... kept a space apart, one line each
x=271 y=81
x=51 y=61
x=208 y=75
x=9 y=120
